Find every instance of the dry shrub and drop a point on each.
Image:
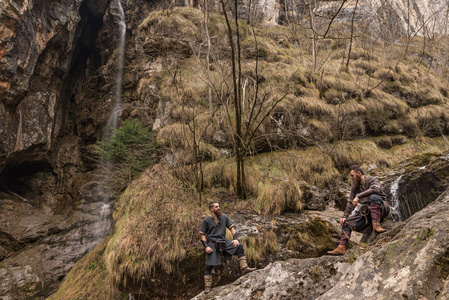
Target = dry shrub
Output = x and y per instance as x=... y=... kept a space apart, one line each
x=384 y=74
x=182 y=113
x=173 y=134
x=322 y=131
x=346 y=154
x=257 y=248
x=431 y=120
x=153 y=227
x=367 y=67
x=333 y=96
x=311 y=106
x=180 y=21
x=384 y=143
x=277 y=197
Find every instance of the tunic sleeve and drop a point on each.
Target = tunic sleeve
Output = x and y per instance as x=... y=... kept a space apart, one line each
x=348 y=210
x=229 y=223
x=352 y=194
x=204 y=227
x=373 y=188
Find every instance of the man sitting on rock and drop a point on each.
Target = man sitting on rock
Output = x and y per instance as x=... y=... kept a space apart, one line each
x=365 y=209
x=213 y=237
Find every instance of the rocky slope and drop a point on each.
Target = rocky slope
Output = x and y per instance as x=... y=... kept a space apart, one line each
x=410 y=261
x=57 y=80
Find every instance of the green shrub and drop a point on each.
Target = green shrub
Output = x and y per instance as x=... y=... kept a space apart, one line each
x=127 y=152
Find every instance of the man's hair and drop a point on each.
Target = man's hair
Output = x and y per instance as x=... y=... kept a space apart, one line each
x=355 y=168
x=211 y=204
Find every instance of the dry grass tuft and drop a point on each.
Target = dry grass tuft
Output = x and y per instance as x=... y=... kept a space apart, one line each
x=256 y=248
x=155 y=224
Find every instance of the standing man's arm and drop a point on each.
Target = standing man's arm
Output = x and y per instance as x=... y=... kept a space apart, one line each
x=206 y=247
x=203 y=231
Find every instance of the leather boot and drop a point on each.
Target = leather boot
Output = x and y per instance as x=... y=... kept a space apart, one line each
x=341 y=249
x=377 y=228
x=207 y=283
x=244 y=266
x=376 y=211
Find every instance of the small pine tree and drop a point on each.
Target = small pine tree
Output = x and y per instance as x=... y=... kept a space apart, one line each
x=127 y=152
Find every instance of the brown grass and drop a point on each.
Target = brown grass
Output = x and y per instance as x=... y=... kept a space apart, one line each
x=153 y=227
x=256 y=248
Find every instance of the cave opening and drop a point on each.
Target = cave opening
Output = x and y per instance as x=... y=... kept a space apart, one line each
x=24 y=172
x=16 y=179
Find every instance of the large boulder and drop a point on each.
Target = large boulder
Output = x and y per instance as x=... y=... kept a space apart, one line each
x=413 y=265
x=290 y=279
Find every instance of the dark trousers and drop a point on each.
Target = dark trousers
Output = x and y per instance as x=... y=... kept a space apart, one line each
x=239 y=252
x=362 y=223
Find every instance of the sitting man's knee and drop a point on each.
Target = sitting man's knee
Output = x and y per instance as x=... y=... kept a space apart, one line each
x=208 y=270
x=240 y=251
x=375 y=199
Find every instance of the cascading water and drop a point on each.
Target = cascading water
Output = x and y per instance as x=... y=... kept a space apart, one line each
x=395 y=212
x=114 y=117
x=117 y=107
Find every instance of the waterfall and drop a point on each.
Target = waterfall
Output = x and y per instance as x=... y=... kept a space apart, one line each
x=395 y=212
x=117 y=107
x=102 y=191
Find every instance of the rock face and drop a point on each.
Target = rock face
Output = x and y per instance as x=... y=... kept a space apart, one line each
x=415 y=17
x=413 y=265
x=53 y=209
x=290 y=279
x=415 y=183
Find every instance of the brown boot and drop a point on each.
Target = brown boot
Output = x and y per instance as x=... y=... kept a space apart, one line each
x=207 y=283
x=340 y=250
x=377 y=228
x=376 y=211
x=244 y=266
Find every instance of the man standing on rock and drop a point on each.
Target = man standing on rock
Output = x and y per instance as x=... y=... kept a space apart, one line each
x=365 y=209
x=213 y=237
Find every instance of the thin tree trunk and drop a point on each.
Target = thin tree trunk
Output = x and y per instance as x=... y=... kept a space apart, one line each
x=237 y=105
x=206 y=28
x=311 y=22
x=352 y=34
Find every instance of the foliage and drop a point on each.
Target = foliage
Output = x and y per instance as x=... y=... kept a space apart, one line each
x=128 y=151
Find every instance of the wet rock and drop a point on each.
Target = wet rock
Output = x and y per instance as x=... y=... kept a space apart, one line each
x=415 y=183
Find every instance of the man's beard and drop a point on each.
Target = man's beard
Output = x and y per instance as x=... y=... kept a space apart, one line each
x=218 y=213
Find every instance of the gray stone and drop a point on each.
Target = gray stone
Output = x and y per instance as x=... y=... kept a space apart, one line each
x=290 y=279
